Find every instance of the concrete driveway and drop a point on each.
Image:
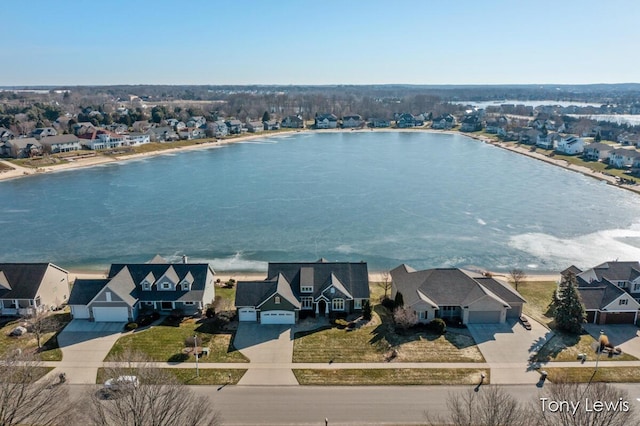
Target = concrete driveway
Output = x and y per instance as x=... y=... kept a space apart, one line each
x=624 y=336
x=266 y=346
x=507 y=348
x=85 y=343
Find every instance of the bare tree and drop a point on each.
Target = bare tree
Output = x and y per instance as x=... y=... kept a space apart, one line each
x=39 y=323
x=405 y=317
x=488 y=406
x=517 y=276
x=385 y=284
x=25 y=397
x=158 y=400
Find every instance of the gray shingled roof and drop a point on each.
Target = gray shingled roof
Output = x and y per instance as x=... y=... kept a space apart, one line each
x=84 y=290
x=252 y=293
x=612 y=271
x=595 y=298
x=23 y=278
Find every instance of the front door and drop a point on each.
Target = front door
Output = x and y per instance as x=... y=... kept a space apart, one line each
x=166 y=306
x=322 y=307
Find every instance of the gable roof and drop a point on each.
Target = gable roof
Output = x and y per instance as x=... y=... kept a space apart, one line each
x=612 y=271
x=596 y=298
x=84 y=290
x=22 y=280
x=52 y=140
x=123 y=285
x=283 y=288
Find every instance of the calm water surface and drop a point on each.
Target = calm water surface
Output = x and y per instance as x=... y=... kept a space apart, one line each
x=429 y=200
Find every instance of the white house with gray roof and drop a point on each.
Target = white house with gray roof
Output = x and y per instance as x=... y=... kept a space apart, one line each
x=29 y=287
x=455 y=294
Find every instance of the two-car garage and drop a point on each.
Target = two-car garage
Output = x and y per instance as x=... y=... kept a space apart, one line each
x=277 y=317
x=111 y=314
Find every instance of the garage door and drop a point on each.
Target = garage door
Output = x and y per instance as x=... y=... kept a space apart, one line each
x=247 y=314
x=115 y=314
x=80 y=311
x=620 y=317
x=484 y=317
x=277 y=317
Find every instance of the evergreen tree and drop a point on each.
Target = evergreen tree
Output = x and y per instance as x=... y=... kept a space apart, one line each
x=366 y=310
x=570 y=314
x=266 y=116
x=399 y=300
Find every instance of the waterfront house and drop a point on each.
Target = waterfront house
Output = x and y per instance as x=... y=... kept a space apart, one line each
x=60 y=143
x=570 y=145
x=198 y=121
x=271 y=125
x=597 y=151
x=234 y=127
x=622 y=158
x=456 y=295
x=379 y=122
x=117 y=128
x=290 y=290
x=141 y=126
x=443 y=122
x=471 y=123
x=26 y=288
x=292 y=122
x=131 y=289
x=255 y=126
x=406 y=120
x=217 y=129
x=102 y=139
x=22 y=148
x=162 y=134
x=547 y=140
x=528 y=136
x=326 y=121
x=353 y=120
x=83 y=127
x=43 y=132
x=135 y=139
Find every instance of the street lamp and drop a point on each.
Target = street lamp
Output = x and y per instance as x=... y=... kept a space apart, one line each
x=195 y=350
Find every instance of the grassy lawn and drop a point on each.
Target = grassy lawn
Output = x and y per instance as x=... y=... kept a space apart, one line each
x=187 y=376
x=566 y=347
x=395 y=376
x=227 y=293
x=372 y=343
x=538 y=295
x=28 y=343
x=166 y=342
x=5 y=167
x=604 y=374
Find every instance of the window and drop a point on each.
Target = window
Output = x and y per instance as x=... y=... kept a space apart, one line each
x=306 y=289
x=165 y=286
x=108 y=296
x=623 y=301
x=146 y=285
x=276 y=300
x=636 y=287
x=357 y=303
x=337 y=304
x=422 y=315
x=185 y=286
x=307 y=302
x=333 y=290
x=622 y=284
x=189 y=303
x=148 y=303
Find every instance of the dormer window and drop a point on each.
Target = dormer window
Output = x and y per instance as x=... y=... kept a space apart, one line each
x=146 y=285
x=166 y=286
x=185 y=286
x=276 y=300
x=623 y=301
x=306 y=289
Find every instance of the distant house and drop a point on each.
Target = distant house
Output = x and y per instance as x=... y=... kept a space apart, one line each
x=141 y=126
x=217 y=129
x=60 y=143
x=130 y=289
x=570 y=145
x=292 y=122
x=455 y=294
x=547 y=140
x=234 y=127
x=117 y=128
x=443 y=122
x=326 y=121
x=135 y=139
x=198 y=121
x=271 y=125
x=353 y=120
x=162 y=134
x=22 y=148
x=471 y=123
x=190 y=133
x=316 y=288
x=597 y=151
x=83 y=127
x=102 y=139
x=379 y=122
x=406 y=120
x=26 y=288
x=6 y=134
x=628 y=138
x=43 y=132
x=255 y=126
x=622 y=158
x=529 y=136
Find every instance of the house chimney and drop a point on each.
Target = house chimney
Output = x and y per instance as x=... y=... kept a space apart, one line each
x=185 y=259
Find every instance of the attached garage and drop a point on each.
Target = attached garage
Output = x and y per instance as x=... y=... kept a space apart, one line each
x=484 y=317
x=80 y=312
x=111 y=314
x=247 y=314
x=277 y=317
x=617 y=317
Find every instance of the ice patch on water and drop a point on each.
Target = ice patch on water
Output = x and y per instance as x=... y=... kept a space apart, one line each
x=235 y=263
x=481 y=222
x=582 y=251
x=345 y=248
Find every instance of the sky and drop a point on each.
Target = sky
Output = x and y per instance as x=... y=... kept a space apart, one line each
x=295 y=42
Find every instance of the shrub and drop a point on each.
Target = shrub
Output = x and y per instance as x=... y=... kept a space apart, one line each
x=388 y=303
x=230 y=283
x=438 y=326
x=144 y=320
x=399 y=300
x=155 y=315
x=131 y=326
x=176 y=313
x=366 y=310
x=405 y=318
x=210 y=312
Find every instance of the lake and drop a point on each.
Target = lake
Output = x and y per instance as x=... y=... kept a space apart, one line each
x=425 y=199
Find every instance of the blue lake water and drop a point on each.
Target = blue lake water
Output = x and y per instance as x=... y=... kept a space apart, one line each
x=429 y=200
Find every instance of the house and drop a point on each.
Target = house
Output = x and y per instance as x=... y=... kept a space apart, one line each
x=455 y=294
x=379 y=122
x=326 y=121
x=131 y=289
x=597 y=151
x=271 y=125
x=198 y=121
x=190 y=133
x=83 y=127
x=162 y=134
x=217 y=129
x=471 y=123
x=60 y=143
x=570 y=145
x=407 y=120
x=622 y=158
x=292 y=122
x=141 y=126
x=6 y=134
x=353 y=120
x=22 y=148
x=610 y=291
x=255 y=126
x=290 y=290
x=547 y=140
x=117 y=128
x=234 y=127
x=443 y=122
x=29 y=287
x=135 y=139
x=43 y=132
x=102 y=139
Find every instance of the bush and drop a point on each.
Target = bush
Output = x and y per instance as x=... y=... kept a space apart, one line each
x=405 y=318
x=210 y=312
x=144 y=320
x=155 y=315
x=438 y=326
x=131 y=326
x=388 y=303
x=230 y=283
x=176 y=314
x=366 y=310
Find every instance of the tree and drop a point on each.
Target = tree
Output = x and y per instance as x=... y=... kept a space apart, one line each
x=399 y=300
x=158 y=400
x=40 y=322
x=266 y=116
x=405 y=318
x=490 y=406
x=517 y=276
x=366 y=310
x=385 y=284
x=25 y=397
x=570 y=314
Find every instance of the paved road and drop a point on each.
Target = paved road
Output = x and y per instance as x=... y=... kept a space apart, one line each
x=310 y=405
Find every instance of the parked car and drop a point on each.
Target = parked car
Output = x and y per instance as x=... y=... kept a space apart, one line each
x=122 y=383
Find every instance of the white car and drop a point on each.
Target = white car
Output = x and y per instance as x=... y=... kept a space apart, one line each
x=121 y=383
